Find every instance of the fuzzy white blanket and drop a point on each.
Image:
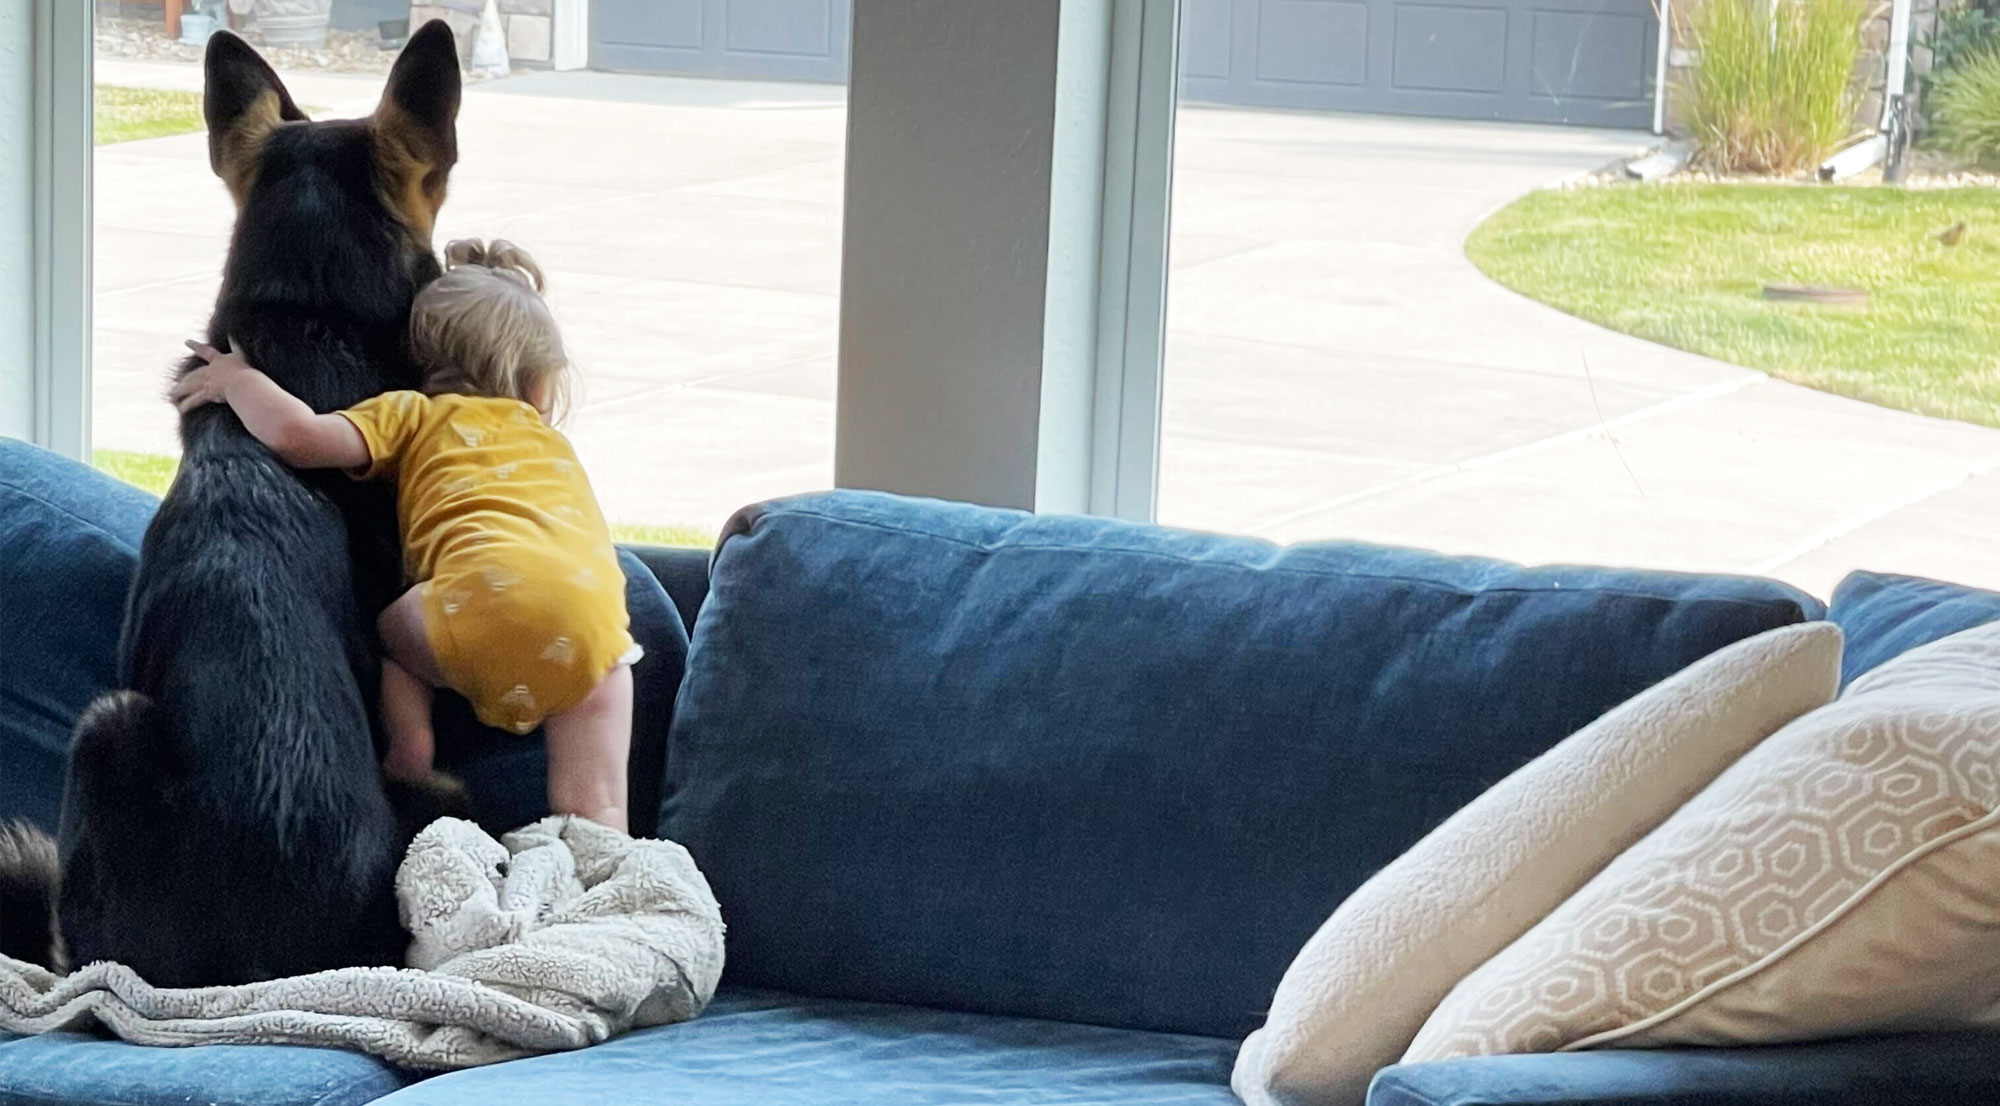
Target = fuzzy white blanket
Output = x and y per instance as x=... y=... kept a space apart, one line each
x=564 y=936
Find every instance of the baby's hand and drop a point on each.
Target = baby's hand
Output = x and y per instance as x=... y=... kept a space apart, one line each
x=210 y=383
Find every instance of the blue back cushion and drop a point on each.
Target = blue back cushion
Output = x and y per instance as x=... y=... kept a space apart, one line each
x=1884 y=615
x=69 y=539
x=69 y=542
x=1081 y=769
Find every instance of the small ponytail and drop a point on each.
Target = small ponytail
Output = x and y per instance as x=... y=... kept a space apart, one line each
x=499 y=255
x=483 y=328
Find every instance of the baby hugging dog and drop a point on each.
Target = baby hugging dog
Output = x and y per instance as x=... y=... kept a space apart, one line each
x=372 y=503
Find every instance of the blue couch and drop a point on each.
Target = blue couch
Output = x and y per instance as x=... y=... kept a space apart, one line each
x=1010 y=809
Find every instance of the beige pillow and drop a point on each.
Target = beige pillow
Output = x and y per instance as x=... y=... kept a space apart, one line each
x=1363 y=985
x=1842 y=878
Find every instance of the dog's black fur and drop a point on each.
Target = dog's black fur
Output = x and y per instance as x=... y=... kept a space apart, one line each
x=225 y=819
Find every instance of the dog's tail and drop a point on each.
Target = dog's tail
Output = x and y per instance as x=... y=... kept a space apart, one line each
x=106 y=767
x=28 y=875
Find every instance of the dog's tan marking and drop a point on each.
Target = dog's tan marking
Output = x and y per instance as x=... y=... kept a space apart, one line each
x=238 y=147
x=410 y=182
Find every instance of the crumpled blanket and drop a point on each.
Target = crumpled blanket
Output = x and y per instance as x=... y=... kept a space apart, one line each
x=564 y=936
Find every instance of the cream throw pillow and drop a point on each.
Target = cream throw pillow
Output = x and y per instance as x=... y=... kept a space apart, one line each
x=1363 y=985
x=1842 y=878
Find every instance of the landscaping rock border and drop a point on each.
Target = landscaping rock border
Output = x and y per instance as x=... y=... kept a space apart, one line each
x=1928 y=169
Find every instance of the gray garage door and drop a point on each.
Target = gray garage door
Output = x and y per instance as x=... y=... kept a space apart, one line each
x=773 y=40
x=1546 y=61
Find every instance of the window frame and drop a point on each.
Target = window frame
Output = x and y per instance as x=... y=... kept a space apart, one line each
x=1144 y=98
x=61 y=172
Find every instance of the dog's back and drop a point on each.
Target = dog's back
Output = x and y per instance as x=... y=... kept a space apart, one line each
x=225 y=819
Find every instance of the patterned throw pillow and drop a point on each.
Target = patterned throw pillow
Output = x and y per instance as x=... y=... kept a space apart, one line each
x=1843 y=878
x=1360 y=989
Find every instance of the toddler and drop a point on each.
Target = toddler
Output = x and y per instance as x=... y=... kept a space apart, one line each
x=518 y=602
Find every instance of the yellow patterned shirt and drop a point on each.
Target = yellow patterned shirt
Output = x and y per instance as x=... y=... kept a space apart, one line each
x=524 y=601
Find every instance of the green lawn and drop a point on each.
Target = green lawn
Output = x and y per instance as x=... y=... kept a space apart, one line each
x=1684 y=264
x=150 y=471
x=153 y=472
x=125 y=114
x=693 y=537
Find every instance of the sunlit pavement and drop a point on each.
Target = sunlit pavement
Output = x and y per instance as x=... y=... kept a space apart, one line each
x=1335 y=367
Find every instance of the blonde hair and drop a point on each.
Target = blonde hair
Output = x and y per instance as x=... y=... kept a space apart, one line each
x=483 y=328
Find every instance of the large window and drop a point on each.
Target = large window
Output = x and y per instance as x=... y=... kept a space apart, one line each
x=690 y=226
x=1339 y=366
x=1383 y=322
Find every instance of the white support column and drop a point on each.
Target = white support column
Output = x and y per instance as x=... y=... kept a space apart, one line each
x=569 y=34
x=995 y=184
x=61 y=169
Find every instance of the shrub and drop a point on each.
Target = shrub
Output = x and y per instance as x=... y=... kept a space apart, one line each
x=1772 y=89
x=1961 y=34
x=1965 y=106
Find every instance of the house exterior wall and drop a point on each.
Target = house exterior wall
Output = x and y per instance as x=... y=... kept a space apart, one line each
x=529 y=25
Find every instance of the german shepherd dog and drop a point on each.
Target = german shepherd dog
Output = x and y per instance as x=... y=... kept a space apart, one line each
x=225 y=819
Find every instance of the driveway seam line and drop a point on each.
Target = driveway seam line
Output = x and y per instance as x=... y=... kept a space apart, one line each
x=1826 y=536
x=1601 y=429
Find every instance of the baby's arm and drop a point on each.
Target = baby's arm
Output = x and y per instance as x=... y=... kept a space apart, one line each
x=274 y=416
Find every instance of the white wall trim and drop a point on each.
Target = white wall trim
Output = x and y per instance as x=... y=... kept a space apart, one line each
x=569 y=35
x=1662 y=56
x=62 y=223
x=17 y=219
x=1132 y=260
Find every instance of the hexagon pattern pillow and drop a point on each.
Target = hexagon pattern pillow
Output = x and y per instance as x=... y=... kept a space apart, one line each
x=1842 y=878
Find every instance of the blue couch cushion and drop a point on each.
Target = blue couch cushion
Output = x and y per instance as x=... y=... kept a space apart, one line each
x=61 y=1069
x=1930 y=1069
x=1884 y=615
x=773 y=1050
x=68 y=540
x=1080 y=769
x=684 y=573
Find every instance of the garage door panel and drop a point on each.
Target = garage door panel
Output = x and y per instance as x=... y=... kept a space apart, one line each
x=780 y=27
x=1594 y=54
x=667 y=24
x=785 y=40
x=1313 y=41
x=1205 y=38
x=1550 y=61
x=1443 y=48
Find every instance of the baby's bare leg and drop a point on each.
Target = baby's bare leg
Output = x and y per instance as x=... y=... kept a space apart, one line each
x=406 y=711
x=408 y=674
x=403 y=635
x=588 y=747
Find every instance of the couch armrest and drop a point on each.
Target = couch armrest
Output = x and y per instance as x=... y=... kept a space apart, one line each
x=1931 y=1069
x=683 y=572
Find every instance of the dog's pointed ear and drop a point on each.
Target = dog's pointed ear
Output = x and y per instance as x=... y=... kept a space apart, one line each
x=243 y=101
x=416 y=126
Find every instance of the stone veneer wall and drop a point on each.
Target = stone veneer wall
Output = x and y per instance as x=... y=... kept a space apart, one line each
x=1871 y=71
x=529 y=24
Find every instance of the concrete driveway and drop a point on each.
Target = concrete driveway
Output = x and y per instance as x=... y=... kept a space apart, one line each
x=1335 y=367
